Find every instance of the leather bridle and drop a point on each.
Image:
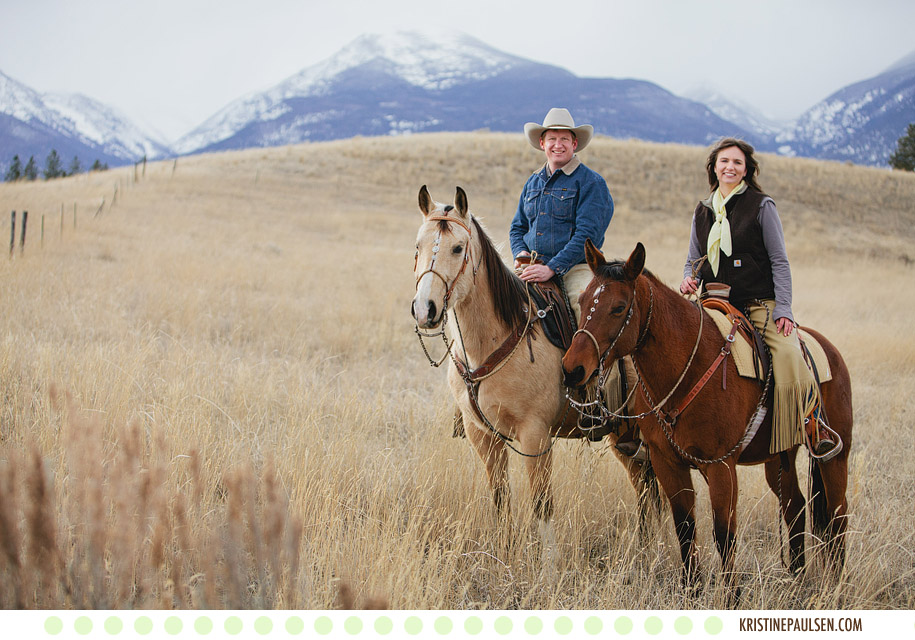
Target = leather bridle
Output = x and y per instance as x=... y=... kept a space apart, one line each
x=436 y=248
x=602 y=357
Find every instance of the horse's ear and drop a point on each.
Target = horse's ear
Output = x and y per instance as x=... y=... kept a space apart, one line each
x=425 y=201
x=593 y=255
x=636 y=262
x=460 y=202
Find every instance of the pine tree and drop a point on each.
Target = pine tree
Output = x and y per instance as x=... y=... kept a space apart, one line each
x=99 y=166
x=15 y=171
x=30 y=172
x=904 y=156
x=52 y=167
x=75 y=167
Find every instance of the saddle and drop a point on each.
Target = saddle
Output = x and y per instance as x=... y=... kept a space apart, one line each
x=552 y=308
x=716 y=301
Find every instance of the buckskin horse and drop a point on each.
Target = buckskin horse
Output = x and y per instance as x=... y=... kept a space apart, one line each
x=688 y=426
x=504 y=374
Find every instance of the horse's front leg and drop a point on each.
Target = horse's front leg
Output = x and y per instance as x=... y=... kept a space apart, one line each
x=492 y=452
x=678 y=486
x=722 y=483
x=535 y=443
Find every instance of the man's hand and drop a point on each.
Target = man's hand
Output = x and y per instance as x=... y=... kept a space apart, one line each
x=518 y=265
x=537 y=273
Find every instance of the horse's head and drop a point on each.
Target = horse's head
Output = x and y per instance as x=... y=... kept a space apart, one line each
x=443 y=251
x=611 y=316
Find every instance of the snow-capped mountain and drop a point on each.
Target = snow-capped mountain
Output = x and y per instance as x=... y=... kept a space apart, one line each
x=413 y=82
x=421 y=62
x=861 y=123
x=103 y=126
x=740 y=113
x=32 y=123
x=410 y=82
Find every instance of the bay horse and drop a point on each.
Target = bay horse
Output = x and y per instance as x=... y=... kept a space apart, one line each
x=504 y=374
x=634 y=313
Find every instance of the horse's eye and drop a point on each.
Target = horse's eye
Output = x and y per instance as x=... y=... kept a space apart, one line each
x=618 y=309
x=457 y=249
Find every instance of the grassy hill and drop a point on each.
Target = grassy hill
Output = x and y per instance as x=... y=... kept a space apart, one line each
x=213 y=396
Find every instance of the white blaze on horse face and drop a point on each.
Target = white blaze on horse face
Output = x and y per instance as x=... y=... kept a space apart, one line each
x=421 y=300
x=424 y=281
x=430 y=270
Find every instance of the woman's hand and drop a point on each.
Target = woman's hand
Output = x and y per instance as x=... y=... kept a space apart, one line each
x=784 y=326
x=689 y=285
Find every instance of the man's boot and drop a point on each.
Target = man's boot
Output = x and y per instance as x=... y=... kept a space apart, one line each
x=631 y=445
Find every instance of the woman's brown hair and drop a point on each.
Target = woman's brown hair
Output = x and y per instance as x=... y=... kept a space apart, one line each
x=746 y=148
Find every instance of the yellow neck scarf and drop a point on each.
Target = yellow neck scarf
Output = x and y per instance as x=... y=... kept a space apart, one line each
x=720 y=235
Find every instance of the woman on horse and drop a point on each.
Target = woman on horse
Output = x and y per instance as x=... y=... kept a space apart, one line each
x=737 y=240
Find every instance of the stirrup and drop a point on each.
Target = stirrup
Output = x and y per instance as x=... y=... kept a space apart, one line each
x=830 y=454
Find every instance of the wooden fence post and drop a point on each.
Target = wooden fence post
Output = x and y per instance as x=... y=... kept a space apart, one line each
x=12 y=233
x=25 y=220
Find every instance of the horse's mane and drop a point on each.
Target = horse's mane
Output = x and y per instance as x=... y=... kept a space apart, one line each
x=508 y=292
x=615 y=270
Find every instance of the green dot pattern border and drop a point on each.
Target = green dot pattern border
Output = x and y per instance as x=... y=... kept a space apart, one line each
x=399 y=624
x=349 y=624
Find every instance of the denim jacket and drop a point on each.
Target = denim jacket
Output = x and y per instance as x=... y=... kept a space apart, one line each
x=556 y=213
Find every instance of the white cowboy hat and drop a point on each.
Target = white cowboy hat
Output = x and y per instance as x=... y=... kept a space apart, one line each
x=558 y=119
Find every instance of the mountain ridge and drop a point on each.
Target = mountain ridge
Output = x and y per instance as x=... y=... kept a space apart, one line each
x=408 y=82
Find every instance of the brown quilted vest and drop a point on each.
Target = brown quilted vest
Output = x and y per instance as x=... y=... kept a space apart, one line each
x=748 y=269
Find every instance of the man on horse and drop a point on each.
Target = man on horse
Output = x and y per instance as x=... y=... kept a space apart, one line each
x=562 y=204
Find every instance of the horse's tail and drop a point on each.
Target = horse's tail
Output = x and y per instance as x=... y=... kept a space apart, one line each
x=819 y=512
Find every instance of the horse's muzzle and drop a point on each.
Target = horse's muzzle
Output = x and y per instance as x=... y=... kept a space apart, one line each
x=574 y=378
x=425 y=313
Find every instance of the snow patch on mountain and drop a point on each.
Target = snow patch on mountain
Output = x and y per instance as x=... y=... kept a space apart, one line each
x=861 y=122
x=80 y=118
x=739 y=112
x=431 y=61
x=99 y=125
x=20 y=102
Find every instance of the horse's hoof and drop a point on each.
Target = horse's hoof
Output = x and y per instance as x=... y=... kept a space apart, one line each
x=736 y=598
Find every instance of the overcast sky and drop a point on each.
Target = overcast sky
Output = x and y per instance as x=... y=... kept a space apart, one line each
x=170 y=64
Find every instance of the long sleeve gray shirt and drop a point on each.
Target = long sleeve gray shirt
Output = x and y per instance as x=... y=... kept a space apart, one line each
x=774 y=239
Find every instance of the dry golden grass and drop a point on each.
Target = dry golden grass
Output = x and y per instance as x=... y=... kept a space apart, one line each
x=213 y=396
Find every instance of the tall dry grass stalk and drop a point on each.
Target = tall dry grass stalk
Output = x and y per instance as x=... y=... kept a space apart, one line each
x=212 y=395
